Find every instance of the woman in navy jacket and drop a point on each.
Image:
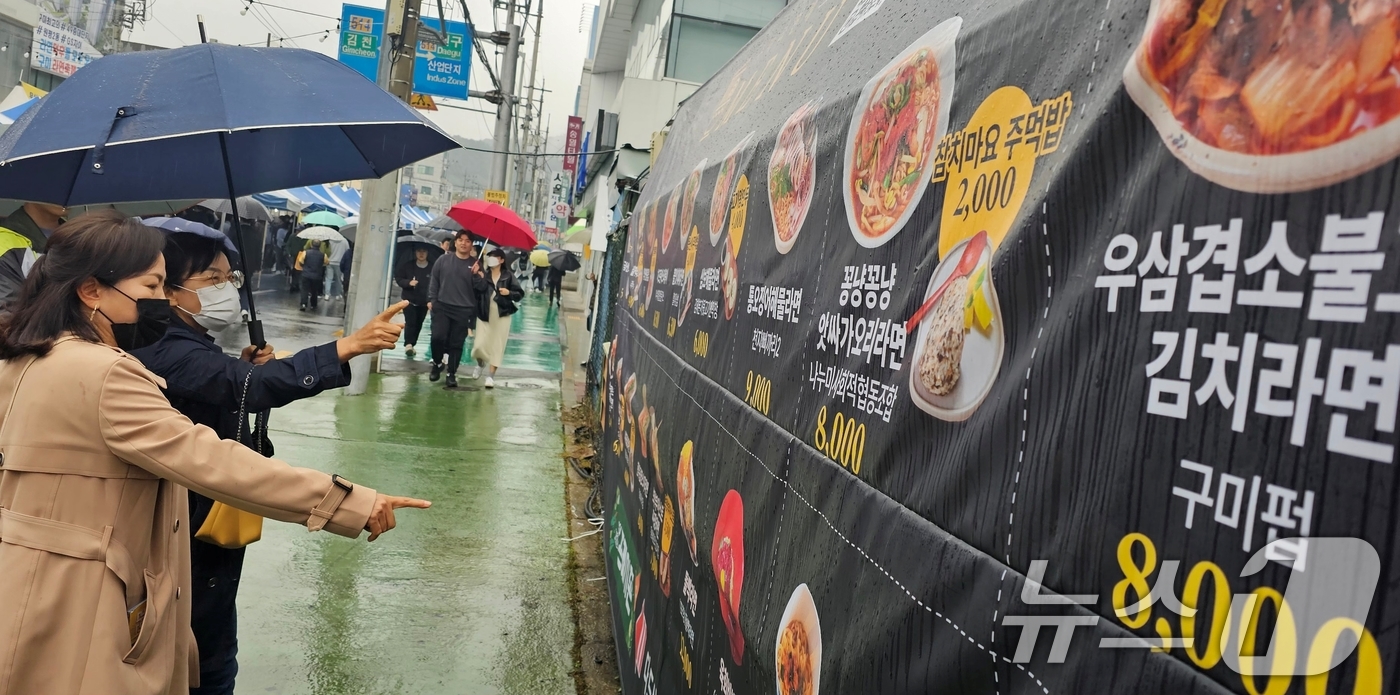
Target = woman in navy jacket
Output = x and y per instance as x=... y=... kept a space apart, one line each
x=207 y=386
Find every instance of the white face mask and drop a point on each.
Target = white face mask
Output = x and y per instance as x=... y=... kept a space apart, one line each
x=492 y=262
x=219 y=307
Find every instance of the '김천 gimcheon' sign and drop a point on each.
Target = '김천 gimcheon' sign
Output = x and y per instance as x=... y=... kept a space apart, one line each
x=941 y=323
x=361 y=30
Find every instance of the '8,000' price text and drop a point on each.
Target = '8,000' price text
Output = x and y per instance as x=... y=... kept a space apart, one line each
x=844 y=442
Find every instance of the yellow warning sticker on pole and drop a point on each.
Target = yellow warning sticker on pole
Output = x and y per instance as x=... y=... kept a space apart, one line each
x=422 y=101
x=498 y=197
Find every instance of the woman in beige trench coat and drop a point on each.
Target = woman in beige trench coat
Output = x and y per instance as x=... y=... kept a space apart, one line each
x=94 y=463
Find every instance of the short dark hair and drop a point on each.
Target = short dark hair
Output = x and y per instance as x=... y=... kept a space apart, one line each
x=188 y=254
x=104 y=245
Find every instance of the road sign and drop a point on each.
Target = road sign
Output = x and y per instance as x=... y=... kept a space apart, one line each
x=442 y=69
x=360 y=30
x=439 y=69
x=422 y=101
x=498 y=197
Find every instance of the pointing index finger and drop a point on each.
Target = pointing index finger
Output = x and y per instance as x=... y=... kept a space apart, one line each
x=393 y=311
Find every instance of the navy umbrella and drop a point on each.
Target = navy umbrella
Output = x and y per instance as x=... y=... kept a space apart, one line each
x=208 y=121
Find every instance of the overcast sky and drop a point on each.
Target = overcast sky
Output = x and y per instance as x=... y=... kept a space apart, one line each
x=564 y=40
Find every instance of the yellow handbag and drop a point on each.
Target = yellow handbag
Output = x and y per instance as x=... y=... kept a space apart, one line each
x=230 y=527
x=227 y=526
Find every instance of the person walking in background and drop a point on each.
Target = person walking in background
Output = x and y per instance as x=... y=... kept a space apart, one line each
x=211 y=388
x=312 y=264
x=413 y=275
x=538 y=275
x=346 y=262
x=334 y=287
x=556 y=284
x=498 y=300
x=453 y=287
x=97 y=468
x=293 y=246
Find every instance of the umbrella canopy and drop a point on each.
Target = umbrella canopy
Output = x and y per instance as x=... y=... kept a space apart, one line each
x=579 y=232
x=176 y=225
x=321 y=234
x=195 y=122
x=539 y=258
x=207 y=121
x=436 y=236
x=494 y=223
x=140 y=209
x=443 y=222
x=325 y=218
x=248 y=208
x=349 y=230
x=564 y=260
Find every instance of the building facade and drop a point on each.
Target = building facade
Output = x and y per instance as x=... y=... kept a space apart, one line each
x=644 y=58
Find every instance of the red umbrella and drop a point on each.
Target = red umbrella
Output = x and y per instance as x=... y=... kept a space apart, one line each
x=494 y=222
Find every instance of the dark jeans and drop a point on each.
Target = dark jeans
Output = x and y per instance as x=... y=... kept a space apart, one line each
x=413 y=316
x=554 y=291
x=450 y=328
x=310 y=290
x=214 y=575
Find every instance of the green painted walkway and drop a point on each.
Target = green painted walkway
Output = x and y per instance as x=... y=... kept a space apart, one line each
x=467 y=597
x=534 y=338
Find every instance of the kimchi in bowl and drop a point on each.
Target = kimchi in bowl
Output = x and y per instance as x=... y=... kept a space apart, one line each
x=1272 y=97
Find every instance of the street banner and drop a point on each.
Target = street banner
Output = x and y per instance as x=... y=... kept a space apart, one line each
x=573 y=138
x=1016 y=348
x=361 y=29
x=58 y=47
x=442 y=69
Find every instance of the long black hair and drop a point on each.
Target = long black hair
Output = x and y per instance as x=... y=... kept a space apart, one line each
x=103 y=245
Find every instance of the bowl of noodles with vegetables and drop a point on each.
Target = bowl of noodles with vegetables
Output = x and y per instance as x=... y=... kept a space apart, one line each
x=1272 y=97
x=792 y=175
x=899 y=118
x=798 y=654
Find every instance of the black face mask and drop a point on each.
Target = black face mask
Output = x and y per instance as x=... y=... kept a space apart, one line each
x=152 y=320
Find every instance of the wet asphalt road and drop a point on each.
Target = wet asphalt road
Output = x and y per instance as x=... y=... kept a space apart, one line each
x=467 y=597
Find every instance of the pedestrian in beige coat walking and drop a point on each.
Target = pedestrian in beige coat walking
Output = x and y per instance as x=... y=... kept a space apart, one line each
x=94 y=464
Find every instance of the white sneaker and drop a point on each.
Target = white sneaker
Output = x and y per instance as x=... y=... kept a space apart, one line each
x=476 y=372
x=408 y=350
x=490 y=383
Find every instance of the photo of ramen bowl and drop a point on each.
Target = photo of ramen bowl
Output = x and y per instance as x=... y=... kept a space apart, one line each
x=798 y=653
x=729 y=280
x=899 y=118
x=691 y=191
x=668 y=228
x=792 y=175
x=685 y=495
x=960 y=342
x=729 y=170
x=1271 y=97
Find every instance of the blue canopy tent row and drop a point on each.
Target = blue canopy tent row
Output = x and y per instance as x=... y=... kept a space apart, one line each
x=342 y=200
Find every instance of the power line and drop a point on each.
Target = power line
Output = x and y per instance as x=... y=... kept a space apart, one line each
x=289 y=9
x=540 y=154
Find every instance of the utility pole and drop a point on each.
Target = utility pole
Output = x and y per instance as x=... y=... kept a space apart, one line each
x=500 y=161
x=378 y=208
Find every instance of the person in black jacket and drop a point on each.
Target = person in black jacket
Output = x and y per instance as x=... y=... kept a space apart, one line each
x=452 y=297
x=413 y=275
x=211 y=388
x=312 y=264
x=497 y=304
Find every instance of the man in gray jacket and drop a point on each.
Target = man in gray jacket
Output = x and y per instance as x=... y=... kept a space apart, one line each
x=453 y=287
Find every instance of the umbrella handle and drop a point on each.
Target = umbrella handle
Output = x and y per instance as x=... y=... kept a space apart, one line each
x=255 y=334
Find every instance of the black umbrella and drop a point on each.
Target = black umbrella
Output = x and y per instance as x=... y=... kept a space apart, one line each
x=406 y=245
x=248 y=209
x=208 y=121
x=564 y=260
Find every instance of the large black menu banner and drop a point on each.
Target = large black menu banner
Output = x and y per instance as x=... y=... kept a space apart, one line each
x=942 y=321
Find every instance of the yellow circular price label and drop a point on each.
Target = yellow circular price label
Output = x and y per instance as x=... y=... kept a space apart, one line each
x=989 y=171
